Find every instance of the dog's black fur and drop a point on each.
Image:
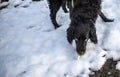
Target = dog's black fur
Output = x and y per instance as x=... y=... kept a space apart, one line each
x=55 y=5
x=83 y=17
x=82 y=26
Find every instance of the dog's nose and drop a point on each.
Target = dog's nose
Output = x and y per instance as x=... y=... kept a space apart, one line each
x=81 y=52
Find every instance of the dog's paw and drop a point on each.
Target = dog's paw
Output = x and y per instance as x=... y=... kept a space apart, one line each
x=66 y=11
x=109 y=20
x=57 y=26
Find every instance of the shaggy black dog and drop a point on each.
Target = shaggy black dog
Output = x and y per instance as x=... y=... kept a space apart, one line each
x=82 y=27
x=55 y=5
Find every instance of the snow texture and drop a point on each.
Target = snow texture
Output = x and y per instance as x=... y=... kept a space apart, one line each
x=31 y=47
x=118 y=66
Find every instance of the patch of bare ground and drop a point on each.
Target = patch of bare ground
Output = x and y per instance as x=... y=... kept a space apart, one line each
x=108 y=70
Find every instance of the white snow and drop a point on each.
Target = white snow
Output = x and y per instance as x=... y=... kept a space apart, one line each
x=118 y=66
x=31 y=47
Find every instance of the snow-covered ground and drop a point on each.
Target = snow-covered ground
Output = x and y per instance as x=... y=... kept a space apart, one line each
x=31 y=47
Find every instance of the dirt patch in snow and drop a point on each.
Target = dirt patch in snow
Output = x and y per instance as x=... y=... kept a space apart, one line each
x=108 y=70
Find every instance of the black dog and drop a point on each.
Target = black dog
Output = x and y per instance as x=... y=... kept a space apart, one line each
x=55 y=5
x=82 y=26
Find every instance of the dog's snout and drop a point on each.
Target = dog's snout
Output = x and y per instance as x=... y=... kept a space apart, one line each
x=81 y=52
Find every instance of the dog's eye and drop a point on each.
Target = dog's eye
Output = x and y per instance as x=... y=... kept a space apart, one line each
x=86 y=40
x=76 y=39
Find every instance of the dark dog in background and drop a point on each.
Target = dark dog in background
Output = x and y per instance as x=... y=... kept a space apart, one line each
x=54 y=6
x=82 y=26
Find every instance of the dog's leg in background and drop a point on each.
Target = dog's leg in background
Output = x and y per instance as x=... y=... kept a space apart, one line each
x=92 y=34
x=104 y=18
x=64 y=6
x=53 y=11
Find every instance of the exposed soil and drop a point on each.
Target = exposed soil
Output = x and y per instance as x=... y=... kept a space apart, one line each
x=108 y=70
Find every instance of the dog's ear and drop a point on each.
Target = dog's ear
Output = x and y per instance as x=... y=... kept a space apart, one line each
x=93 y=35
x=70 y=34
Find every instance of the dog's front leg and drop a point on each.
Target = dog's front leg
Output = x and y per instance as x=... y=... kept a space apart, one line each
x=104 y=18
